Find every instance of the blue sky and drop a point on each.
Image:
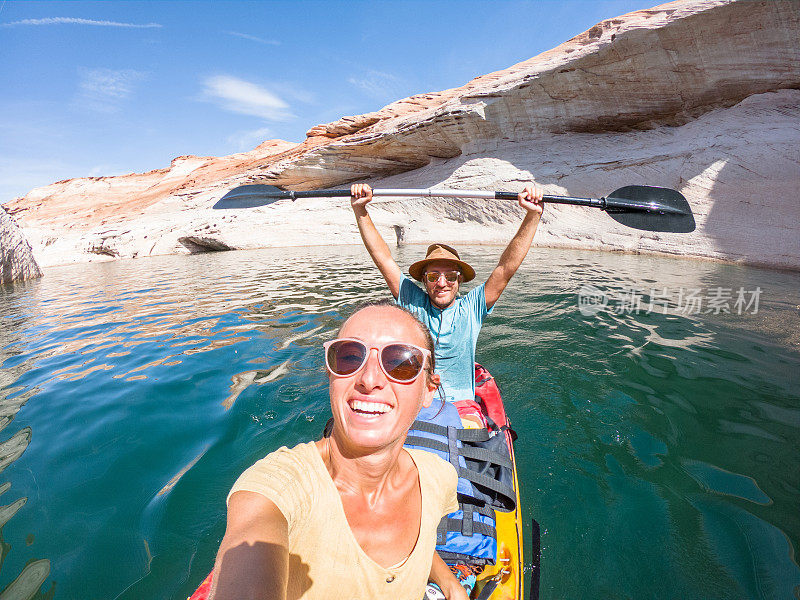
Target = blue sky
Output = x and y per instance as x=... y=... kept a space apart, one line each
x=104 y=88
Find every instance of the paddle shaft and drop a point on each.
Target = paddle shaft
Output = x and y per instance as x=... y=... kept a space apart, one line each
x=427 y=193
x=642 y=207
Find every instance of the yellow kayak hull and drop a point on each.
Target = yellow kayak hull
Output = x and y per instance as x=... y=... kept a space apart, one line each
x=508 y=570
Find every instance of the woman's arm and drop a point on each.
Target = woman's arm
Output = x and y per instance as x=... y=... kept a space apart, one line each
x=447 y=582
x=253 y=558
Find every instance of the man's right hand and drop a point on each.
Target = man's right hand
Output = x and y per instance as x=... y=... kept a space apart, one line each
x=360 y=195
x=531 y=200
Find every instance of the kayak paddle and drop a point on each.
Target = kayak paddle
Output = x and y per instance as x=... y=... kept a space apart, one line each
x=536 y=559
x=638 y=206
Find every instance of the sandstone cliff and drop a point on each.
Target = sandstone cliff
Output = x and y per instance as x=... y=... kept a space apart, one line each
x=16 y=258
x=699 y=95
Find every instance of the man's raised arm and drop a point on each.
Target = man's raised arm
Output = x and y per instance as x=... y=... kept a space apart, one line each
x=360 y=195
x=531 y=200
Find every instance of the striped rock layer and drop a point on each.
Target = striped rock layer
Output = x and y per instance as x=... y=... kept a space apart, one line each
x=698 y=95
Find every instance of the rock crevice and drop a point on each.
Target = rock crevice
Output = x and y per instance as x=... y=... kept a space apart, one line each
x=16 y=257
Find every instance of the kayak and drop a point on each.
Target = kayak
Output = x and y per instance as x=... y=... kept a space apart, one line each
x=502 y=580
x=499 y=577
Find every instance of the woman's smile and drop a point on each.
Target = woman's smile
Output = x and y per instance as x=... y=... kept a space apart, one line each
x=369 y=407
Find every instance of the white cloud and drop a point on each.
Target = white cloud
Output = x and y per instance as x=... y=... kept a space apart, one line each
x=254 y=38
x=247 y=140
x=103 y=90
x=74 y=21
x=378 y=84
x=246 y=98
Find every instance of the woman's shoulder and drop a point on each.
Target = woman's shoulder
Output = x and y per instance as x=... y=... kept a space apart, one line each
x=438 y=480
x=431 y=466
x=302 y=455
x=285 y=475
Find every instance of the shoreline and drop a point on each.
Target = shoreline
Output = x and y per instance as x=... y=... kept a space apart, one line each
x=457 y=243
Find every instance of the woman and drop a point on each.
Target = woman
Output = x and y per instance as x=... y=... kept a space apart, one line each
x=353 y=515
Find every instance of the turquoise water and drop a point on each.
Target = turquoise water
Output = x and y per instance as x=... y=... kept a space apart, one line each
x=658 y=449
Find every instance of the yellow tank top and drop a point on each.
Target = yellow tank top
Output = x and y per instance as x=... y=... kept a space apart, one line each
x=325 y=560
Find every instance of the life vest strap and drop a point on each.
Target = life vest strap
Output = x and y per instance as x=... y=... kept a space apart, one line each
x=474 y=448
x=452 y=446
x=454 y=558
x=484 y=455
x=467 y=525
x=468 y=528
x=488 y=589
x=464 y=435
x=471 y=452
x=492 y=484
x=480 y=454
x=450 y=524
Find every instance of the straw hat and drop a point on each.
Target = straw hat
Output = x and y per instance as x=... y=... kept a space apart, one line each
x=441 y=252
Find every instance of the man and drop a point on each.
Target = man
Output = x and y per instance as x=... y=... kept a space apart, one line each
x=454 y=321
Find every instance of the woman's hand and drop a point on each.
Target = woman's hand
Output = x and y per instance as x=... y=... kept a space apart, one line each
x=442 y=576
x=454 y=591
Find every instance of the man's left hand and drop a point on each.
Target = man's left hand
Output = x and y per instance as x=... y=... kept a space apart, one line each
x=531 y=200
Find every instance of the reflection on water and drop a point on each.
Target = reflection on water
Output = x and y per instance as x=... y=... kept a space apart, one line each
x=658 y=450
x=26 y=586
x=241 y=381
x=26 y=580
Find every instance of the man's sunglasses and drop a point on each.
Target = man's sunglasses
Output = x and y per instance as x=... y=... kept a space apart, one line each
x=401 y=363
x=449 y=276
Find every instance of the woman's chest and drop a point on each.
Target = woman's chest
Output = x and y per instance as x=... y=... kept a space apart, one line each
x=386 y=531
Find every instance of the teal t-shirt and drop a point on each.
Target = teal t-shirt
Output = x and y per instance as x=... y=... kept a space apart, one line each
x=455 y=332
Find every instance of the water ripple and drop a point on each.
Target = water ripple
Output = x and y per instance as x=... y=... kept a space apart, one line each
x=657 y=449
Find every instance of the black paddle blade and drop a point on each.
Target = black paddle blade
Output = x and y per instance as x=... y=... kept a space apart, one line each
x=651 y=209
x=249 y=196
x=536 y=559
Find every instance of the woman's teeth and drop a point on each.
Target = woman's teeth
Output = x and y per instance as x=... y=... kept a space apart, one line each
x=369 y=407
